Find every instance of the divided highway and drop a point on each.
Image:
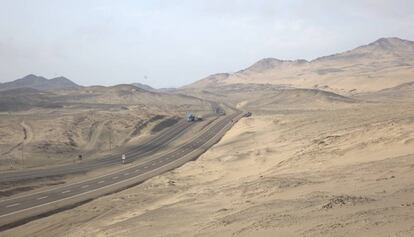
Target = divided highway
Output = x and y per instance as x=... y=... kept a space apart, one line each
x=148 y=148
x=25 y=207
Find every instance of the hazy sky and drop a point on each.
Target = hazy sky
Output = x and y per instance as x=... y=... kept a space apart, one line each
x=171 y=43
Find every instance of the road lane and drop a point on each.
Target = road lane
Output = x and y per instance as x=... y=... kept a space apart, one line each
x=12 y=210
x=142 y=150
x=145 y=149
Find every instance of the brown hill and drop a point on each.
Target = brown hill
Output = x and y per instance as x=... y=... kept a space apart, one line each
x=268 y=97
x=96 y=96
x=26 y=98
x=39 y=83
x=382 y=64
x=127 y=95
x=143 y=86
x=54 y=127
x=400 y=93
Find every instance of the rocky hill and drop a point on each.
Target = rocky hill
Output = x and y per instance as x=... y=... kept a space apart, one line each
x=143 y=86
x=39 y=83
x=382 y=64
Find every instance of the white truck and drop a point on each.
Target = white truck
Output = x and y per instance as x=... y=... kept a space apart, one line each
x=192 y=118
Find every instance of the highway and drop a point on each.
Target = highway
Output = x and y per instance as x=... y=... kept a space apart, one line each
x=25 y=207
x=147 y=148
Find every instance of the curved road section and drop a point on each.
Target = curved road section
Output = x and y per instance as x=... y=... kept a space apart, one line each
x=148 y=148
x=21 y=209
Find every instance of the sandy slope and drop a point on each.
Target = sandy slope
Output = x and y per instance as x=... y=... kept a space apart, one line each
x=384 y=63
x=265 y=97
x=42 y=128
x=57 y=136
x=315 y=173
x=403 y=93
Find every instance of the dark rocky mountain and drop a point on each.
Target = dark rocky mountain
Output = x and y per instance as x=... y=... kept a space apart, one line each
x=143 y=86
x=39 y=83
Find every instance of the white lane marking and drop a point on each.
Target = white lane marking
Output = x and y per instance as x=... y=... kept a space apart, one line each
x=66 y=191
x=126 y=174
x=145 y=167
x=137 y=170
x=101 y=182
x=13 y=205
x=85 y=186
x=40 y=198
x=116 y=177
x=77 y=195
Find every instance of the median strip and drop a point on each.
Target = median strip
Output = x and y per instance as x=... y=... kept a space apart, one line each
x=119 y=184
x=12 y=205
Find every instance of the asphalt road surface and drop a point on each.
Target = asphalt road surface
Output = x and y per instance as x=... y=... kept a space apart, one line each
x=148 y=148
x=20 y=208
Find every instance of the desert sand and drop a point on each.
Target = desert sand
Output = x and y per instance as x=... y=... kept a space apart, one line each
x=384 y=63
x=337 y=172
x=39 y=129
x=329 y=151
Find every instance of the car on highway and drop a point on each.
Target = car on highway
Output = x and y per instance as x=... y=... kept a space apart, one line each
x=192 y=117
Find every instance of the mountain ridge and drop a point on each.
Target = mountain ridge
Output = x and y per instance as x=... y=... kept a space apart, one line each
x=381 y=64
x=143 y=86
x=39 y=83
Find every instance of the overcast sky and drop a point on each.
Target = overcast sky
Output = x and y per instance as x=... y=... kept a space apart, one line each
x=172 y=43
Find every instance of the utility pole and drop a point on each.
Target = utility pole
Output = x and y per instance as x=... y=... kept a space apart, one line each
x=110 y=137
x=110 y=141
x=22 y=152
x=24 y=139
